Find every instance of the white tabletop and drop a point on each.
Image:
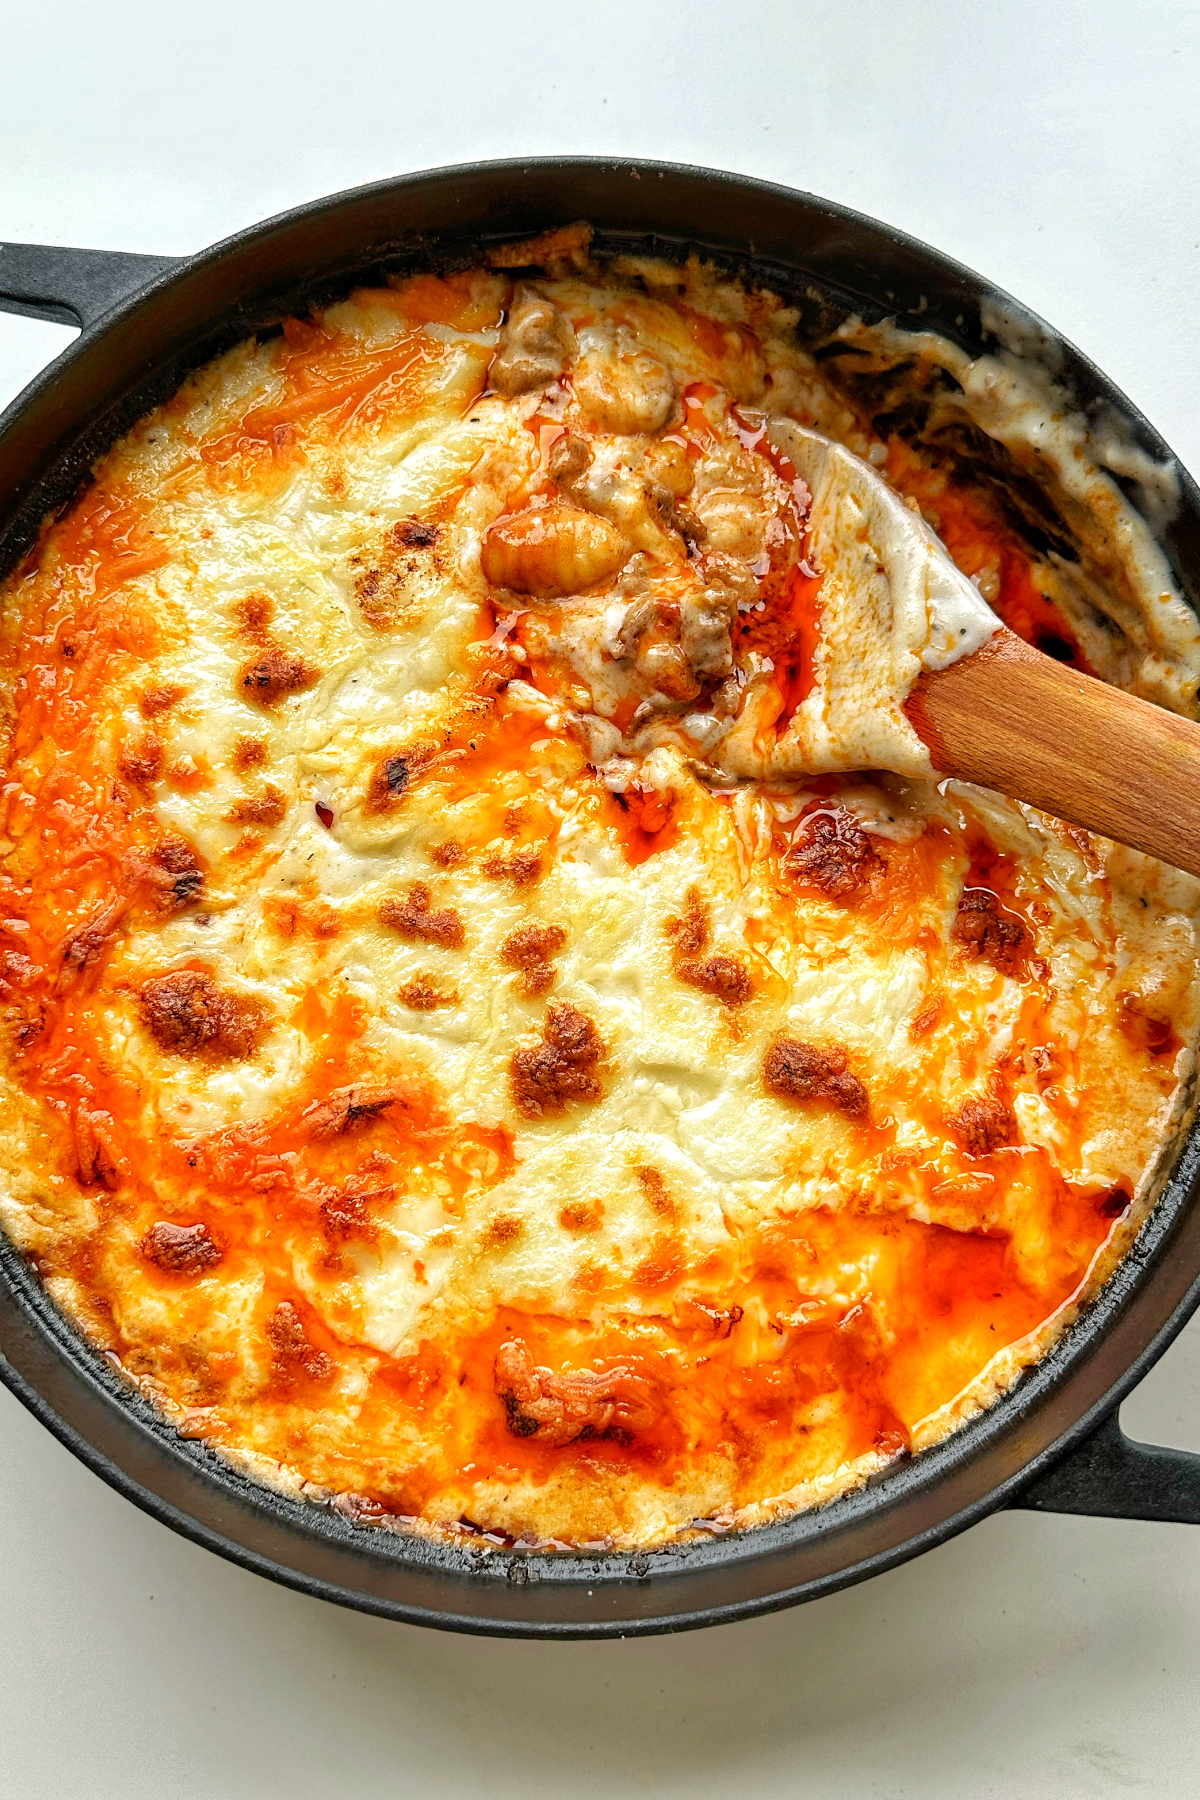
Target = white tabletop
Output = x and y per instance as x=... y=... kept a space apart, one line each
x=1049 y=143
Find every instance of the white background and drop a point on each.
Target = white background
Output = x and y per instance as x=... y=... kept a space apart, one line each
x=1053 y=146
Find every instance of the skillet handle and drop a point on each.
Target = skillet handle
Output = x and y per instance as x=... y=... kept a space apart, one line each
x=71 y=287
x=1112 y=1476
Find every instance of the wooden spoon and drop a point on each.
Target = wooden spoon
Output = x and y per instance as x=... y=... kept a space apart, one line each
x=1009 y=718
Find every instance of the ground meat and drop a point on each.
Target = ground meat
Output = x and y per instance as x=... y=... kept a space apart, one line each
x=275 y=674
x=835 y=856
x=267 y=808
x=187 y=1014
x=530 y=949
x=180 y=1249
x=796 y=1071
x=562 y=1068
x=986 y=929
x=413 y=919
x=295 y=1354
x=534 y=345
x=983 y=1123
x=704 y=622
x=722 y=976
x=640 y=616
x=349 y=1108
x=558 y=1408
x=570 y=457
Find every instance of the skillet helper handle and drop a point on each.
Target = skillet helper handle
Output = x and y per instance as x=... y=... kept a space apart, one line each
x=1111 y=1476
x=71 y=287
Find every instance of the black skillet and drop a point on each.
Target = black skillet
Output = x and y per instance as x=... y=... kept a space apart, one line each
x=1055 y=1442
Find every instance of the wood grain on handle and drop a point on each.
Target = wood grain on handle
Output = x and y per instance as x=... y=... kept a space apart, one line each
x=1012 y=719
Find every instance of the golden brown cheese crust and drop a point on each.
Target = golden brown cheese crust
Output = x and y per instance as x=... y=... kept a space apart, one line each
x=432 y=1080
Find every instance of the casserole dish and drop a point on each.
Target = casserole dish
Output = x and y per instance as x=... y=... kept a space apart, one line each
x=147 y=323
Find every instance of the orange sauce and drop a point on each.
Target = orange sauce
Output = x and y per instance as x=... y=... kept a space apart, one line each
x=982 y=544
x=788 y=627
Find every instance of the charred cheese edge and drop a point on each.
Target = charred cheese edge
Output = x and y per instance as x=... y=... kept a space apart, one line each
x=449 y=1065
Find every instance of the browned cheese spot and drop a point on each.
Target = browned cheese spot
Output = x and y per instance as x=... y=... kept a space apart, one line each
x=422 y=995
x=530 y=948
x=796 y=1071
x=557 y=1408
x=986 y=929
x=384 y=589
x=724 y=977
x=692 y=933
x=502 y=1229
x=522 y=867
x=563 y=1068
x=180 y=1249
x=396 y=773
x=296 y=1357
x=448 y=855
x=158 y=700
x=268 y=808
x=984 y=1123
x=346 y=1215
x=413 y=534
x=274 y=674
x=187 y=1014
x=140 y=764
x=657 y=1193
x=350 y=1108
x=413 y=919
x=835 y=856
x=176 y=874
x=249 y=753
x=582 y=1215
x=254 y=614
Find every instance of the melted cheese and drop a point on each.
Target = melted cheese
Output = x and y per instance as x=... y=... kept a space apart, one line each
x=451 y=1065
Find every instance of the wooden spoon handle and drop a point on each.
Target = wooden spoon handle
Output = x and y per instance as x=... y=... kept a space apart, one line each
x=1012 y=719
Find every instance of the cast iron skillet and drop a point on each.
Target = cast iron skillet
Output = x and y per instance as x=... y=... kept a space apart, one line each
x=1055 y=1442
